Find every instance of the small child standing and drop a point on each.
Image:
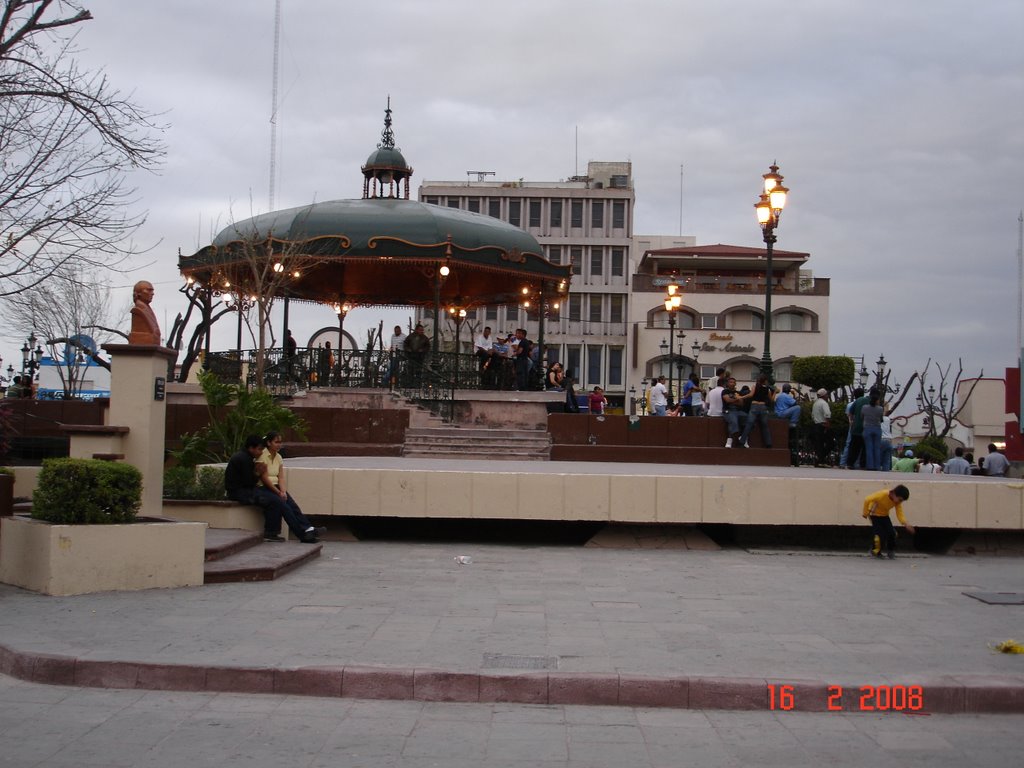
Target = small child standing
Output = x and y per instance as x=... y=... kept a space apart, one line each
x=877 y=507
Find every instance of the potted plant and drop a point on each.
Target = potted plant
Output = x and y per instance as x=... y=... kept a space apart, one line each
x=84 y=536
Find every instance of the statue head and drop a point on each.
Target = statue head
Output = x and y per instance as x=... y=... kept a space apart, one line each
x=143 y=291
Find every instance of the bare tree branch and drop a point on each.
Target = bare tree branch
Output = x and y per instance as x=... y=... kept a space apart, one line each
x=67 y=141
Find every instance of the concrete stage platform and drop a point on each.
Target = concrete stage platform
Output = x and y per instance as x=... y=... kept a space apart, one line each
x=638 y=493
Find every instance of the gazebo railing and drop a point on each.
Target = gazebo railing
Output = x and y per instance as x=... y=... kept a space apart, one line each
x=316 y=368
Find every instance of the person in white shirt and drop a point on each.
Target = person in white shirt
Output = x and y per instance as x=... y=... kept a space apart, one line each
x=396 y=346
x=659 y=397
x=483 y=347
x=715 y=405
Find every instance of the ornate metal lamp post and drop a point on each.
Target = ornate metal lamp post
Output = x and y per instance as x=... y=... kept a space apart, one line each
x=881 y=383
x=928 y=403
x=673 y=300
x=31 y=358
x=769 y=210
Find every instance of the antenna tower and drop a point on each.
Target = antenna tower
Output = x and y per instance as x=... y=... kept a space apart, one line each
x=273 y=104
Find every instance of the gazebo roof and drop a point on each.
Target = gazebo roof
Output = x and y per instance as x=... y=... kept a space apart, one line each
x=380 y=250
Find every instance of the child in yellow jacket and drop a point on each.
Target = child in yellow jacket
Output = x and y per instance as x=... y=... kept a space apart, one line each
x=877 y=507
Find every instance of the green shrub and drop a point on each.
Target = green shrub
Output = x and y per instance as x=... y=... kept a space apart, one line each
x=87 y=492
x=202 y=484
x=829 y=372
x=178 y=482
x=235 y=412
x=932 y=446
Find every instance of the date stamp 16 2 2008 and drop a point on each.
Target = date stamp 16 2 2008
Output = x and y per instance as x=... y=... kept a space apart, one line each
x=867 y=698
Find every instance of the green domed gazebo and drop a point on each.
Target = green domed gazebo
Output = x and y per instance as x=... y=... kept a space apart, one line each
x=384 y=249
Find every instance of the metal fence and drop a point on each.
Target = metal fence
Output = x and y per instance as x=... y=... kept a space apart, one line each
x=430 y=381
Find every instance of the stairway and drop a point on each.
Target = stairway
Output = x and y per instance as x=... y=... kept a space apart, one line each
x=451 y=442
x=233 y=554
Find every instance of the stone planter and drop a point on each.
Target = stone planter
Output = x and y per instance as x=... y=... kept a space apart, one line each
x=79 y=559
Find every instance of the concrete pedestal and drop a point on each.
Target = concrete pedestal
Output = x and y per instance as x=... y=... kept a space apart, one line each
x=137 y=372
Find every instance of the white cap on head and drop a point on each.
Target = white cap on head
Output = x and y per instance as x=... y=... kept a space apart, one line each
x=822 y=392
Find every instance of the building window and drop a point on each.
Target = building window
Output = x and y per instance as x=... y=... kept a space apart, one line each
x=788 y=321
x=432 y=200
x=494 y=209
x=572 y=362
x=615 y=366
x=597 y=214
x=491 y=313
x=618 y=214
x=575 y=305
x=709 y=321
x=783 y=371
x=576 y=214
x=618 y=262
x=453 y=202
x=595 y=307
x=756 y=322
x=616 y=304
x=514 y=209
x=684 y=320
x=471 y=314
x=593 y=364
x=577 y=260
x=596 y=261
x=474 y=205
x=555 y=254
x=707 y=371
x=535 y=213
x=556 y=214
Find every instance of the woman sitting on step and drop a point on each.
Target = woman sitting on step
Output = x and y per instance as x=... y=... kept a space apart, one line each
x=272 y=479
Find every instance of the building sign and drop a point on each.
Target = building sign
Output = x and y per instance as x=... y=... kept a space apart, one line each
x=728 y=347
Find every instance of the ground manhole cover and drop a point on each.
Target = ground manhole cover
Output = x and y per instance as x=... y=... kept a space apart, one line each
x=998 y=598
x=512 y=661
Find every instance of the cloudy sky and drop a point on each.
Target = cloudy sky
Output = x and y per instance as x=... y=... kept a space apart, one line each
x=899 y=127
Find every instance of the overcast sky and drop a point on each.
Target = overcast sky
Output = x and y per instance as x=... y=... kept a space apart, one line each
x=897 y=125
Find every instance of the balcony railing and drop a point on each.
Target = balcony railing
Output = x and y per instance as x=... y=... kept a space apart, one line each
x=806 y=286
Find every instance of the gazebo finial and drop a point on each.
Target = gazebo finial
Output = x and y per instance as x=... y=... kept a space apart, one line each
x=386 y=168
x=387 y=135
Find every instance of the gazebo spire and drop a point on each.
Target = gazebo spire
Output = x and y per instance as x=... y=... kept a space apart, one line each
x=386 y=169
x=387 y=135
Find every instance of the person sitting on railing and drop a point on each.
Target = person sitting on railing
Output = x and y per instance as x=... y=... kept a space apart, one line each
x=555 y=378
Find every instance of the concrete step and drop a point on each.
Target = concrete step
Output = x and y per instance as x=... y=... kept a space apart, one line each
x=470 y=432
x=235 y=555
x=475 y=456
x=224 y=542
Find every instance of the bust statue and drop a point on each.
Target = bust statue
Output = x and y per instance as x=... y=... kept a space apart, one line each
x=145 y=329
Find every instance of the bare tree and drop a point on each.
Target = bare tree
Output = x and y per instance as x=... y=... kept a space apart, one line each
x=261 y=268
x=62 y=309
x=200 y=303
x=67 y=141
x=941 y=405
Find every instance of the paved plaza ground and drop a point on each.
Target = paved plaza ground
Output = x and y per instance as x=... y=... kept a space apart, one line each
x=840 y=618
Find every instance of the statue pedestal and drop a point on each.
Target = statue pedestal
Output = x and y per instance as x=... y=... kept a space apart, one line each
x=138 y=380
